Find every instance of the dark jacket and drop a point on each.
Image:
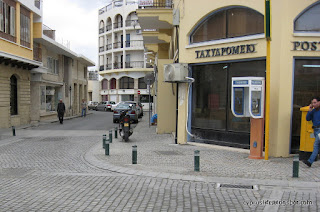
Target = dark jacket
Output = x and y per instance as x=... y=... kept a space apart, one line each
x=61 y=108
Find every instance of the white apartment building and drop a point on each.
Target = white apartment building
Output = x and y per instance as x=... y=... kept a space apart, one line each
x=122 y=62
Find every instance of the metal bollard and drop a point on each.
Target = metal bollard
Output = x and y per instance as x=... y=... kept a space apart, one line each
x=196 y=160
x=110 y=136
x=106 y=149
x=295 y=171
x=116 y=132
x=134 y=154
x=13 y=131
x=104 y=138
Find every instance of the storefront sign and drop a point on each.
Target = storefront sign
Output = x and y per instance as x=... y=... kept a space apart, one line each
x=306 y=45
x=145 y=3
x=241 y=49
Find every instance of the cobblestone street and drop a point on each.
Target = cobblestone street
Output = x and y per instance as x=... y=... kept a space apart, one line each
x=63 y=171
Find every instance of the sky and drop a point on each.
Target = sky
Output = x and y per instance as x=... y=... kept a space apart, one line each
x=76 y=23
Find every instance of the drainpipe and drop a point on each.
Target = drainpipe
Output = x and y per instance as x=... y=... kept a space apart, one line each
x=177 y=97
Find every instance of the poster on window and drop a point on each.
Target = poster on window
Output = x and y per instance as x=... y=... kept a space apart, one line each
x=145 y=3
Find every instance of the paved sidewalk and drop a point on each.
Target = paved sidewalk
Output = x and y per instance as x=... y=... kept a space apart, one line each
x=158 y=156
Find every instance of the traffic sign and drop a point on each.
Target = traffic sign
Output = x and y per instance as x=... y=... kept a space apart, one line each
x=139 y=92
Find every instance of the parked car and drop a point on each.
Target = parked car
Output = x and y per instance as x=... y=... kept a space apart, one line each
x=106 y=106
x=138 y=105
x=92 y=105
x=130 y=108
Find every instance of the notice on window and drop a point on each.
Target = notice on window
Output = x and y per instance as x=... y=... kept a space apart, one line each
x=145 y=2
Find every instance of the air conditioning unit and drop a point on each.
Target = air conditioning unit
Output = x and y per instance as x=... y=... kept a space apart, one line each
x=176 y=72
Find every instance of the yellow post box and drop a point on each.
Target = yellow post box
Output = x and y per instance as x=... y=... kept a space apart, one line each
x=306 y=135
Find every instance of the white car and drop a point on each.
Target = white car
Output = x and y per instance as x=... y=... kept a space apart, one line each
x=106 y=106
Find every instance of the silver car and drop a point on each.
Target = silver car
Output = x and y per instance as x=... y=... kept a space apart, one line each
x=129 y=108
x=138 y=106
x=105 y=106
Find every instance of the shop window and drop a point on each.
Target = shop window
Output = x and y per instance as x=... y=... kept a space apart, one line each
x=127 y=98
x=49 y=98
x=229 y=23
x=309 y=19
x=145 y=98
x=126 y=83
x=211 y=117
x=13 y=95
x=142 y=84
x=8 y=20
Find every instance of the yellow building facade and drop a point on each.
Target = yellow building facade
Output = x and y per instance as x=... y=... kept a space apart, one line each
x=224 y=39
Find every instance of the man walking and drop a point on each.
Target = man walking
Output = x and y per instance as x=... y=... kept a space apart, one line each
x=314 y=116
x=84 y=108
x=61 y=109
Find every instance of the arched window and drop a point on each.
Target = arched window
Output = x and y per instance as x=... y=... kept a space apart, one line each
x=142 y=84
x=104 y=84
x=13 y=95
x=109 y=24
x=113 y=83
x=101 y=27
x=228 y=23
x=308 y=20
x=118 y=22
x=126 y=83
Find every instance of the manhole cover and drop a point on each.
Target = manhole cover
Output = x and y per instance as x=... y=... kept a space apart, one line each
x=168 y=153
x=235 y=186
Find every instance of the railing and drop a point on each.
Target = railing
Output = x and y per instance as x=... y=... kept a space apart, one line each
x=101 y=49
x=37 y=3
x=108 y=47
x=49 y=32
x=117 y=65
x=156 y=4
x=133 y=23
x=134 y=43
x=101 y=68
x=101 y=30
x=135 y=64
x=117 y=25
x=108 y=27
x=37 y=52
x=93 y=75
x=117 y=45
x=109 y=66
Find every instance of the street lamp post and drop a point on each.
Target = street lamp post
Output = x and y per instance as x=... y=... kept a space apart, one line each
x=70 y=97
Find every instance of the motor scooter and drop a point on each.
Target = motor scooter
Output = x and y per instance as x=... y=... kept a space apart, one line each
x=125 y=126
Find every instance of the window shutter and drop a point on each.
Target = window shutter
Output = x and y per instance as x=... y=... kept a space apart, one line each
x=12 y=21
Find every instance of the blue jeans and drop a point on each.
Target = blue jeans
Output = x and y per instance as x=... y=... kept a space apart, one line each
x=83 y=112
x=315 y=146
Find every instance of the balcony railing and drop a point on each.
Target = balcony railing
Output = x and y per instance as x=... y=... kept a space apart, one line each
x=101 y=68
x=108 y=47
x=134 y=43
x=117 y=65
x=109 y=66
x=37 y=3
x=135 y=64
x=108 y=27
x=118 y=45
x=117 y=25
x=101 y=30
x=133 y=23
x=156 y=4
x=101 y=49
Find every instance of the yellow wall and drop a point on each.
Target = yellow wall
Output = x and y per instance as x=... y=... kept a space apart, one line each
x=283 y=14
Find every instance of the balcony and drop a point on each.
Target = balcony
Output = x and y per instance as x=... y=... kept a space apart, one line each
x=108 y=27
x=134 y=43
x=37 y=4
x=109 y=66
x=101 y=68
x=101 y=49
x=101 y=30
x=37 y=52
x=118 y=45
x=108 y=47
x=156 y=4
x=135 y=64
x=118 y=25
x=117 y=65
x=132 y=23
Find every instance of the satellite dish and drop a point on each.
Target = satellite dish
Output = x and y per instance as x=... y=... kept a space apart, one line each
x=149 y=79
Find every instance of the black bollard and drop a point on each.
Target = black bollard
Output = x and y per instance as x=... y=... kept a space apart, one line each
x=110 y=136
x=196 y=160
x=13 y=131
x=116 y=132
x=134 y=154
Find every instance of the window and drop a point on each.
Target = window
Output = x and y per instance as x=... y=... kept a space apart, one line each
x=145 y=98
x=49 y=98
x=53 y=65
x=25 y=27
x=141 y=83
x=229 y=23
x=113 y=83
x=8 y=20
x=309 y=19
x=104 y=84
x=126 y=83
x=13 y=95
